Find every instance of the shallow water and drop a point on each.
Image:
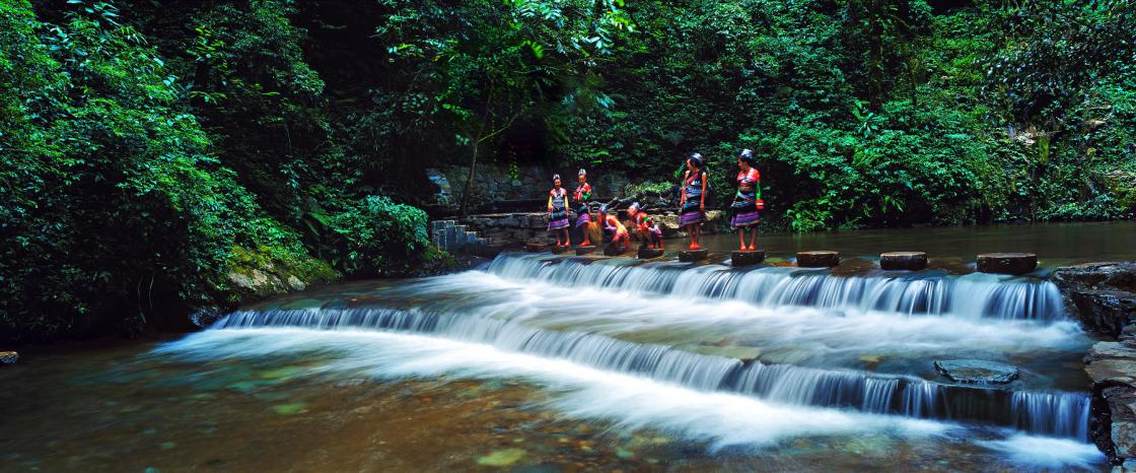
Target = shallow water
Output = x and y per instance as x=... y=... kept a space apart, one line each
x=542 y=363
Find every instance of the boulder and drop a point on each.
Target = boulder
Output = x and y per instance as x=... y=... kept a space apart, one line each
x=747 y=258
x=817 y=259
x=976 y=371
x=690 y=256
x=648 y=253
x=903 y=260
x=1007 y=263
x=9 y=358
x=1101 y=295
x=1112 y=368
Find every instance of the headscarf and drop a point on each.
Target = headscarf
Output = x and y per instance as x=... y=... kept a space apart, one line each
x=634 y=207
x=603 y=209
x=582 y=173
x=747 y=157
x=696 y=158
x=555 y=177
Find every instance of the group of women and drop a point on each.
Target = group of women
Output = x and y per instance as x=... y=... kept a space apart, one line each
x=745 y=209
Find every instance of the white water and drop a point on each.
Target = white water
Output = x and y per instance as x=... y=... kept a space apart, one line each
x=972 y=296
x=630 y=402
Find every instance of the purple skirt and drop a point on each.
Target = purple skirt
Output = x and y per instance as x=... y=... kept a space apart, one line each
x=745 y=219
x=689 y=218
x=558 y=224
x=583 y=219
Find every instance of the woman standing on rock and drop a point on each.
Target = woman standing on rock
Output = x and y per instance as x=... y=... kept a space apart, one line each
x=558 y=212
x=747 y=202
x=582 y=195
x=693 y=200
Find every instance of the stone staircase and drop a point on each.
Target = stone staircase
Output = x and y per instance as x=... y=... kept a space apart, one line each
x=454 y=238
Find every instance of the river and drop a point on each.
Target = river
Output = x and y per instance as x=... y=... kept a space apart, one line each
x=536 y=362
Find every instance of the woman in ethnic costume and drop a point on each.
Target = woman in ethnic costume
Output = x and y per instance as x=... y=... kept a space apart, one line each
x=582 y=196
x=611 y=224
x=558 y=212
x=646 y=227
x=693 y=200
x=747 y=203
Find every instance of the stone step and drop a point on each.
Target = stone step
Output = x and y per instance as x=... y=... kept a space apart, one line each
x=817 y=259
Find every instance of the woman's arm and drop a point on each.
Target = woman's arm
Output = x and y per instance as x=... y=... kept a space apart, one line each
x=702 y=201
x=682 y=186
x=550 y=201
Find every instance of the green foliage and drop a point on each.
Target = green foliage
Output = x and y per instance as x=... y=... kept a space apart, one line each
x=379 y=237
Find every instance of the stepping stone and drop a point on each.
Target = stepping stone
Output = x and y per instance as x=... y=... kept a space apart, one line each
x=613 y=250
x=817 y=259
x=747 y=258
x=585 y=250
x=533 y=246
x=556 y=250
x=690 y=256
x=903 y=260
x=976 y=371
x=1007 y=263
x=8 y=358
x=648 y=253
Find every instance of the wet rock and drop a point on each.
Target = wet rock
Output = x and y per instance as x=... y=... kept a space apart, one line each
x=537 y=246
x=585 y=249
x=747 y=258
x=1007 y=263
x=648 y=253
x=1101 y=295
x=817 y=259
x=1112 y=368
x=690 y=256
x=976 y=371
x=903 y=260
x=614 y=250
x=9 y=358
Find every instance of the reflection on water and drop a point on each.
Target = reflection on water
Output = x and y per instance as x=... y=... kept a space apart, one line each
x=1055 y=244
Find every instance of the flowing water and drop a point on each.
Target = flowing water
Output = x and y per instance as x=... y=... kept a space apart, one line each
x=537 y=362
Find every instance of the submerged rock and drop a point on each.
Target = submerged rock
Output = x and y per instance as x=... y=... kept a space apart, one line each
x=976 y=371
x=1101 y=295
x=504 y=457
x=9 y=358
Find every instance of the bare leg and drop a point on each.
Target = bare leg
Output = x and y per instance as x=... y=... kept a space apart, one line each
x=741 y=239
x=753 y=238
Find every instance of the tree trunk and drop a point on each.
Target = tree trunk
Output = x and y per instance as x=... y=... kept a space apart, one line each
x=469 y=180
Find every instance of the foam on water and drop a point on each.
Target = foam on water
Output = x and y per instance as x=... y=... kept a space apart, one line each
x=632 y=402
x=1046 y=452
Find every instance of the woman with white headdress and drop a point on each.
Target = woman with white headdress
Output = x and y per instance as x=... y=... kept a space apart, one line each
x=582 y=196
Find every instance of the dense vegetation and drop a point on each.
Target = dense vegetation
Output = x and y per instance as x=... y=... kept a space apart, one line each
x=152 y=148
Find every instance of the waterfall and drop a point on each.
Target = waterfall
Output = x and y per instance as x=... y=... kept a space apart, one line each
x=1050 y=413
x=920 y=293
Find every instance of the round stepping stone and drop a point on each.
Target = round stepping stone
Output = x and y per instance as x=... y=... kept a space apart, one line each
x=690 y=256
x=817 y=259
x=648 y=253
x=614 y=250
x=9 y=357
x=903 y=260
x=976 y=371
x=536 y=246
x=585 y=249
x=1007 y=263
x=747 y=258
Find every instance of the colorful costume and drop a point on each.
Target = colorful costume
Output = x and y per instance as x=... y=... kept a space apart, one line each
x=648 y=227
x=691 y=212
x=558 y=218
x=582 y=195
x=616 y=229
x=745 y=201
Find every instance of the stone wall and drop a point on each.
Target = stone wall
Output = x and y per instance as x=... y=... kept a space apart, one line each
x=1103 y=298
x=495 y=183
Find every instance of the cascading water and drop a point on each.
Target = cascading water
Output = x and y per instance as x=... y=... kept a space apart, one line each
x=976 y=295
x=787 y=340
x=1056 y=413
